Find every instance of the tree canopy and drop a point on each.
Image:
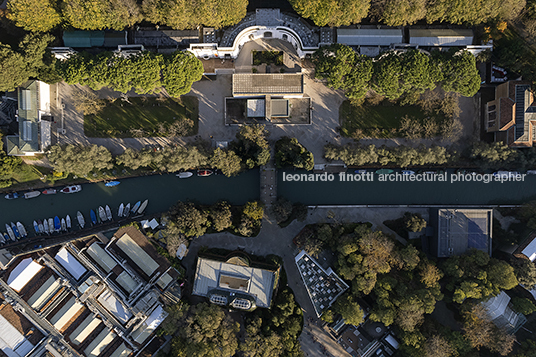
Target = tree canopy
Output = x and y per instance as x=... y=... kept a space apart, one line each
x=289 y=152
x=79 y=160
x=332 y=12
x=32 y=15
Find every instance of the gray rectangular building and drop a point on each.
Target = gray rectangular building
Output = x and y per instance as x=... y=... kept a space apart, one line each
x=440 y=37
x=369 y=37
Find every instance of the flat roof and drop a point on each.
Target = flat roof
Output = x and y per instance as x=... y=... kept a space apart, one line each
x=23 y=273
x=44 y=293
x=462 y=229
x=273 y=83
x=70 y=263
x=280 y=107
x=116 y=307
x=137 y=254
x=66 y=313
x=209 y=272
x=369 y=37
x=99 y=343
x=83 y=330
x=255 y=108
x=440 y=37
x=12 y=342
x=101 y=257
x=149 y=325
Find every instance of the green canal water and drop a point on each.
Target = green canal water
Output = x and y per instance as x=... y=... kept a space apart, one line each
x=163 y=191
x=377 y=192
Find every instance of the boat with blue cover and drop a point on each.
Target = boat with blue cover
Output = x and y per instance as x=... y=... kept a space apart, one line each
x=93 y=217
x=15 y=230
x=112 y=183
x=57 y=223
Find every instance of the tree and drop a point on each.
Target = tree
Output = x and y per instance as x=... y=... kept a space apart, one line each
x=438 y=346
x=492 y=155
x=523 y=305
x=253 y=210
x=101 y=14
x=36 y=16
x=414 y=222
x=461 y=75
x=227 y=161
x=221 y=216
x=87 y=102
x=332 y=12
x=289 y=152
x=281 y=209
x=172 y=322
x=403 y=12
x=387 y=75
x=13 y=71
x=185 y=218
x=220 y=14
x=252 y=146
x=79 y=160
x=175 y=13
x=525 y=271
x=206 y=332
x=350 y=310
x=180 y=70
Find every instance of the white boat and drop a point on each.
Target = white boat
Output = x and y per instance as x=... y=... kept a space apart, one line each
x=102 y=214
x=135 y=208
x=63 y=224
x=126 y=211
x=51 y=225
x=31 y=194
x=10 y=233
x=41 y=228
x=45 y=226
x=108 y=213
x=531 y=172
x=22 y=230
x=120 y=211
x=71 y=189
x=143 y=206
x=68 y=221
x=2 y=239
x=81 y=220
x=184 y=174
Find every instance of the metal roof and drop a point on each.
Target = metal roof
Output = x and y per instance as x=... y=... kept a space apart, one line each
x=209 y=272
x=83 y=330
x=66 y=313
x=440 y=37
x=259 y=84
x=23 y=273
x=12 y=342
x=137 y=254
x=369 y=37
x=70 y=263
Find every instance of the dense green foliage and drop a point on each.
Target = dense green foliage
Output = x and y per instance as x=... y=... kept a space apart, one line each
x=32 y=15
x=170 y=159
x=252 y=146
x=285 y=212
x=290 y=153
x=101 y=14
x=80 y=160
x=395 y=73
x=227 y=161
x=332 y=12
x=145 y=73
x=29 y=60
x=402 y=156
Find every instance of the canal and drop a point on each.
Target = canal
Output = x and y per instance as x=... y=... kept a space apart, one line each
x=163 y=191
x=376 y=192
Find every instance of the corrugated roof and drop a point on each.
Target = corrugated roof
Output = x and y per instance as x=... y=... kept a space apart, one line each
x=99 y=343
x=12 y=342
x=207 y=277
x=44 y=293
x=70 y=263
x=121 y=351
x=116 y=307
x=126 y=282
x=440 y=37
x=103 y=259
x=137 y=254
x=369 y=37
x=23 y=273
x=530 y=250
x=149 y=325
x=258 y=84
x=83 y=330
x=71 y=307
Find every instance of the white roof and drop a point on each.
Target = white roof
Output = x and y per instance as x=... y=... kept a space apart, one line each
x=255 y=108
x=149 y=224
x=121 y=351
x=116 y=307
x=207 y=277
x=149 y=325
x=369 y=37
x=99 y=343
x=391 y=340
x=440 y=37
x=70 y=263
x=105 y=261
x=84 y=329
x=12 y=342
x=530 y=250
x=496 y=306
x=137 y=254
x=44 y=96
x=44 y=293
x=66 y=313
x=23 y=273
x=181 y=252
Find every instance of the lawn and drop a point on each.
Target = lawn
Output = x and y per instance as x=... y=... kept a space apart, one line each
x=375 y=121
x=144 y=117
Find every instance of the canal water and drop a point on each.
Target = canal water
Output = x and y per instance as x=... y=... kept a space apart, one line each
x=163 y=191
x=376 y=192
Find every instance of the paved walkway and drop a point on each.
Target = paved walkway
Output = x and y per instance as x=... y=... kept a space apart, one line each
x=275 y=240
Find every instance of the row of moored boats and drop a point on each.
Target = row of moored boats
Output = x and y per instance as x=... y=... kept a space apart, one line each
x=56 y=224
x=48 y=191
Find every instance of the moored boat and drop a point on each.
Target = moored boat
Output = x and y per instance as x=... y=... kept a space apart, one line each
x=102 y=214
x=204 y=173
x=126 y=211
x=408 y=172
x=51 y=225
x=360 y=171
x=71 y=189
x=112 y=183
x=93 y=217
x=80 y=218
x=143 y=206
x=135 y=208
x=45 y=226
x=184 y=174
x=531 y=172
x=63 y=224
x=12 y=196
x=57 y=224
x=506 y=173
x=49 y=191
x=5 y=238
x=108 y=213
x=22 y=230
x=36 y=227
x=384 y=171
x=120 y=210
x=68 y=221
x=31 y=194
x=40 y=226
x=10 y=232
x=15 y=230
